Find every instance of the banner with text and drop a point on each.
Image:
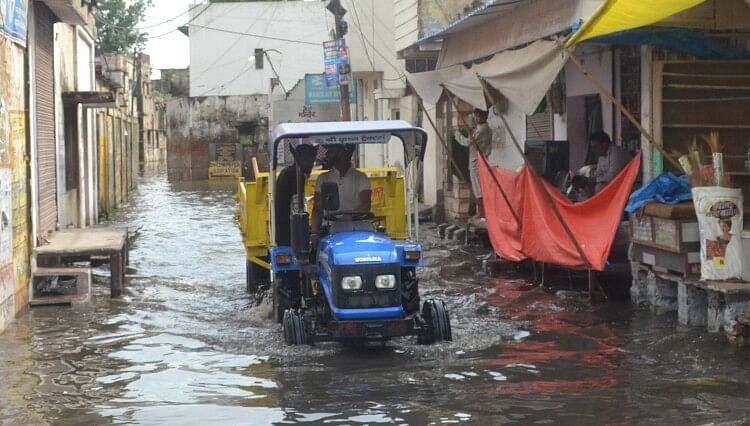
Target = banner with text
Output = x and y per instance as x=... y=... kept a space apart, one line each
x=318 y=92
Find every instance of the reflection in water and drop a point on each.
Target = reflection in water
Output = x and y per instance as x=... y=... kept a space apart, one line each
x=187 y=345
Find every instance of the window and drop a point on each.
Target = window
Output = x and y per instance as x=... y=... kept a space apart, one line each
x=420 y=65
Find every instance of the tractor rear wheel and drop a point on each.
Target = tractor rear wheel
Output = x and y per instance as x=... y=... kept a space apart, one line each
x=295 y=331
x=257 y=278
x=437 y=323
x=285 y=294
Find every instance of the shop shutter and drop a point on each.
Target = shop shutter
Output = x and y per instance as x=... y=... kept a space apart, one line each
x=540 y=126
x=44 y=20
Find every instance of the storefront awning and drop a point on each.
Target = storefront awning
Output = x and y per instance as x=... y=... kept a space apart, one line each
x=620 y=15
x=90 y=99
x=523 y=76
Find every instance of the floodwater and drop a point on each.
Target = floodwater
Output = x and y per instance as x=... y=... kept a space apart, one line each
x=186 y=345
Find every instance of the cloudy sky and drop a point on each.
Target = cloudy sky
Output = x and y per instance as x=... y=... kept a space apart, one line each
x=168 y=48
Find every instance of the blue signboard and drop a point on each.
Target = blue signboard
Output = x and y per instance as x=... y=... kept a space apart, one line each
x=318 y=92
x=336 y=62
x=13 y=16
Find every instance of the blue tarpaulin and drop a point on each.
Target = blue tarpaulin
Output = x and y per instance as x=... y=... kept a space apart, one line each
x=681 y=40
x=666 y=188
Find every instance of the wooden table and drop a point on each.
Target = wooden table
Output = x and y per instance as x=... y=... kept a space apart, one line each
x=83 y=244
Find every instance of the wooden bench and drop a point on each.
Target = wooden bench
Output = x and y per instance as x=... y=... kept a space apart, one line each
x=85 y=244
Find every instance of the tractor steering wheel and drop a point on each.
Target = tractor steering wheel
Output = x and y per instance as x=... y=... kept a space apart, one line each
x=353 y=216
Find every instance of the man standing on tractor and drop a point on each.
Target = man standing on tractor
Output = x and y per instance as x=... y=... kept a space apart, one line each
x=286 y=189
x=353 y=186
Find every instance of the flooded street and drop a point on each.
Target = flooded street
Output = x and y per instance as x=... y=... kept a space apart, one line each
x=187 y=345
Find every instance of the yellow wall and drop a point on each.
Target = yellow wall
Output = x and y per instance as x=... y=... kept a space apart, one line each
x=14 y=264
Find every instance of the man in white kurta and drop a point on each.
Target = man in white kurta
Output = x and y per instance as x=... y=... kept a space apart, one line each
x=482 y=137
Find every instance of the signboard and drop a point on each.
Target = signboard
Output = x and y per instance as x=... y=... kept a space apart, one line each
x=352 y=138
x=317 y=91
x=225 y=152
x=336 y=62
x=13 y=17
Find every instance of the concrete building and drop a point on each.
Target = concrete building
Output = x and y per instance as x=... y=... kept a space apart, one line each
x=118 y=130
x=153 y=137
x=240 y=53
x=48 y=168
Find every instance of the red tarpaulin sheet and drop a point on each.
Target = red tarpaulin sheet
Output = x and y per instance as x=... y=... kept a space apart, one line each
x=540 y=235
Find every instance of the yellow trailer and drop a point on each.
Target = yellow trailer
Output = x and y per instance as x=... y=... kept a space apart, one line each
x=388 y=205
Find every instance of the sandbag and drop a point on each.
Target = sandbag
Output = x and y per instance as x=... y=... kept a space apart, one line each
x=719 y=212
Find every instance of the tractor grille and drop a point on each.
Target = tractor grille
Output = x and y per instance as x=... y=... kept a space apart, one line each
x=369 y=296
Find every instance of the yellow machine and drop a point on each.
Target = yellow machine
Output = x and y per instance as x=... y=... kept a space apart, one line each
x=388 y=207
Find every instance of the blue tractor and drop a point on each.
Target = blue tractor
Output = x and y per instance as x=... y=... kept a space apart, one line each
x=359 y=283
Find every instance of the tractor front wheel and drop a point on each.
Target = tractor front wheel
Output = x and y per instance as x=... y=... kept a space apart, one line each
x=437 y=324
x=295 y=331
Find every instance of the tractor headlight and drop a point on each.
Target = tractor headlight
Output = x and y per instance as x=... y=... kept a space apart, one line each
x=385 y=282
x=353 y=283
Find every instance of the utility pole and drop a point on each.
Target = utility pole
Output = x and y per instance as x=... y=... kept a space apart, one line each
x=334 y=6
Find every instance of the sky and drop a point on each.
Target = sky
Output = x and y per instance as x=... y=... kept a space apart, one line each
x=168 y=48
x=171 y=50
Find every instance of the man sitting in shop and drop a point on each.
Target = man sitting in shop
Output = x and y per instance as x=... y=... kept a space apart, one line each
x=353 y=187
x=286 y=190
x=611 y=159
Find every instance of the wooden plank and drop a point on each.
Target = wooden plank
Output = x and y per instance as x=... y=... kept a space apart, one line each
x=715 y=99
x=707 y=126
x=705 y=86
x=84 y=241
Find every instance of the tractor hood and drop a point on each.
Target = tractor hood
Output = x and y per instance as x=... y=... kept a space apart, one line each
x=357 y=248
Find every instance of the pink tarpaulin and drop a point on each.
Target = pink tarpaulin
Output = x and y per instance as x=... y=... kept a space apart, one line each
x=540 y=235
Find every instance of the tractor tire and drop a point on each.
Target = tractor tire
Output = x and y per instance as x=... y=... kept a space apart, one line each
x=257 y=278
x=284 y=295
x=409 y=291
x=437 y=323
x=295 y=331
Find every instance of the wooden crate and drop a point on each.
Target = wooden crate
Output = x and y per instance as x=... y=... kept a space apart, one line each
x=670 y=244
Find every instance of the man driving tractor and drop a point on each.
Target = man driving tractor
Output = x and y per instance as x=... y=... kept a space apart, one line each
x=353 y=186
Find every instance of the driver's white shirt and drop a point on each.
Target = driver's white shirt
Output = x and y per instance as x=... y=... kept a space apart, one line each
x=350 y=185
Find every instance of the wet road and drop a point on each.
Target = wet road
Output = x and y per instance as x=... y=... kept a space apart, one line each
x=186 y=345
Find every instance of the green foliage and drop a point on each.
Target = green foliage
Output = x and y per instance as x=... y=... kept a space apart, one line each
x=116 y=25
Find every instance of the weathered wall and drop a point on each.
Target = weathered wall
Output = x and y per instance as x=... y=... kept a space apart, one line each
x=14 y=208
x=196 y=125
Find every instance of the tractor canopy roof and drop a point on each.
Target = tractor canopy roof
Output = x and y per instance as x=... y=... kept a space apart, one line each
x=413 y=138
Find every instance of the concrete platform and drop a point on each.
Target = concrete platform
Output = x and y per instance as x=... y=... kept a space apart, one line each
x=84 y=244
x=715 y=305
x=81 y=293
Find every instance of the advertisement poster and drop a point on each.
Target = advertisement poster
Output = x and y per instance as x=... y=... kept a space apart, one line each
x=14 y=19
x=318 y=92
x=6 y=234
x=336 y=62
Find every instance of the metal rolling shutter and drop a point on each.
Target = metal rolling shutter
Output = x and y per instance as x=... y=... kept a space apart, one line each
x=45 y=118
x=540 y=126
